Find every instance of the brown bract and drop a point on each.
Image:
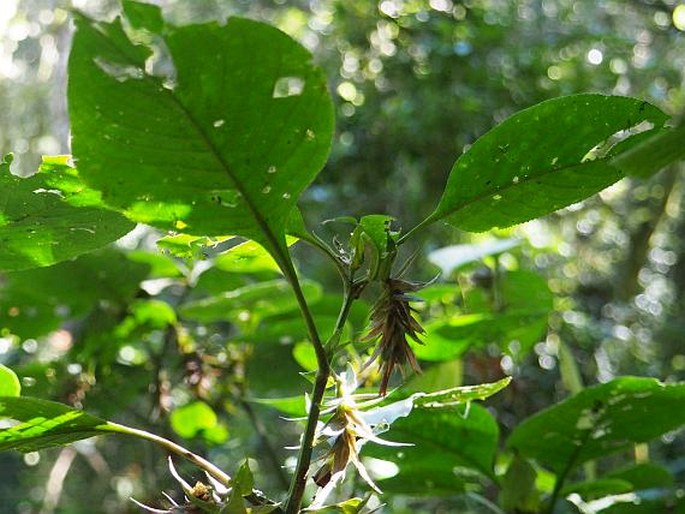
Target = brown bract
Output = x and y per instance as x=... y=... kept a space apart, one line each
x=392 y=322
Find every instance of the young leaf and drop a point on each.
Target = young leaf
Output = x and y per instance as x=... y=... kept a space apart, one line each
x=9 y=382
x=600 y=420
x=51 y=217
x=539 y=160
x=220 y=146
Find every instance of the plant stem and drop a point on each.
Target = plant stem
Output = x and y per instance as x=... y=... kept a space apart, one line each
x=299 y=479
x=172 y=447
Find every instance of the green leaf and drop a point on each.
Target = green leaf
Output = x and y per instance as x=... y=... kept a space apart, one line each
x=600 y=420
x=9 y=382
x=452 y=446
x=261 y=300
x=293 y=406
x=34 y=302
x=220 y=146
x=248 y=257
x=437 y=377
x=351 y=506
x=244 y=481
x=459 y=395
x=189 y=247
x=51 y=217
x=653 y=154
x=305 y=356
x=44 y=424
x=518 y=493
x=194 y=419
x=538 y=161
x=377 y=228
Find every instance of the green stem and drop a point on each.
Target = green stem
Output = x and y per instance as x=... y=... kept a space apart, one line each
x=172 y=447
x=299 y=481
x=406 y=236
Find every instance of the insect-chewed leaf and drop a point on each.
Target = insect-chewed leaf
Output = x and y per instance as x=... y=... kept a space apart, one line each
x=218 y=146
x=541 y=159
x=600 y=420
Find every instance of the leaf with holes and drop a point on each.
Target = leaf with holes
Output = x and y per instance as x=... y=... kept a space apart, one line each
x=653 y=153
x=600 y=420
x=541 y=159
x=51 y=217
x=199 y=140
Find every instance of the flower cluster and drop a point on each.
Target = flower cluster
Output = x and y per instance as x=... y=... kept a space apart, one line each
x=392 y=321
x=339 y=440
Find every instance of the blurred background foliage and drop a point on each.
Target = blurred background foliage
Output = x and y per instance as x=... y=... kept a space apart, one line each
x=415 y=82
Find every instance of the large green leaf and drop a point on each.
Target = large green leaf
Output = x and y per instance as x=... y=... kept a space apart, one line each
x=51 y=217
x=452 y=446
x=600 y=420
x=539 y=160
x=220 y=145
x=44 y=424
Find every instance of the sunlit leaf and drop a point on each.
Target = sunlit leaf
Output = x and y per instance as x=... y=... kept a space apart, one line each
x=219 y=146
x=51 y=217
x=248 y=257
x=192 y=419
x=539 y=160
x=44 y=424
x=457 y=395
x=600 y=420
x=9 y=382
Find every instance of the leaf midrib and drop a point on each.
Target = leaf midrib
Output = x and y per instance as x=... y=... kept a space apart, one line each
x=263 y=226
